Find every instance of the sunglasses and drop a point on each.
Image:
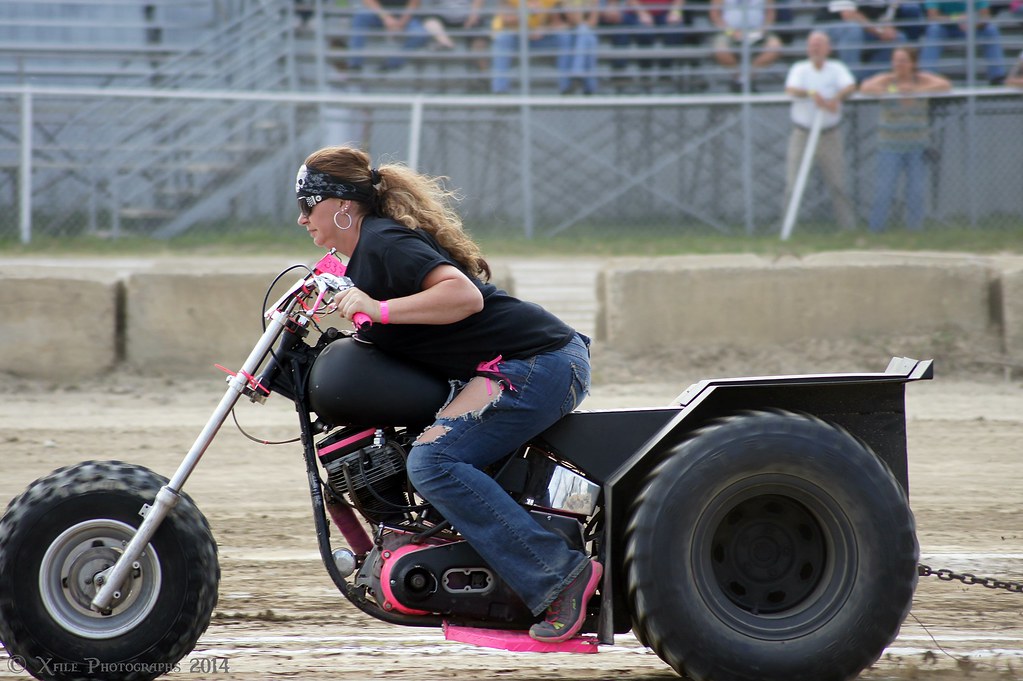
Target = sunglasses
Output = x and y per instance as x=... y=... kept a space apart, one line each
x=304 y=207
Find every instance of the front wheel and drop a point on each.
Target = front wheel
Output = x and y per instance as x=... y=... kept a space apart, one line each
x=71 y=525
x=771 y=547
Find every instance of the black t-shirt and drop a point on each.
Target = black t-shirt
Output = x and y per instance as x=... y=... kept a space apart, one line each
x=391 y=261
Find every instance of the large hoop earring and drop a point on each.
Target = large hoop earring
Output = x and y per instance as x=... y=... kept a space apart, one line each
x=345 y=213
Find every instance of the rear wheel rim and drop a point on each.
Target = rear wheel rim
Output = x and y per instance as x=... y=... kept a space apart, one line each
x=773 y=556
x=67 y=579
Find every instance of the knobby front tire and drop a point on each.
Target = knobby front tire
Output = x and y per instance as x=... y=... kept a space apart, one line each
x=74 y=523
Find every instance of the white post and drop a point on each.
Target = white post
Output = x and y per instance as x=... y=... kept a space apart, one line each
x=26 y=167
x=804 y=169
x=415 y=133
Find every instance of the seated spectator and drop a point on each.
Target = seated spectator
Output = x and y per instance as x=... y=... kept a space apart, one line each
x=582 y=17
x=611 y=21
x=864 y=31
x=744 y=21
x=903 y=136
x=1015 y=78
x=441 y=15
x=646 y=21
x=397 y=17
x=947 y=21
x=546 y=30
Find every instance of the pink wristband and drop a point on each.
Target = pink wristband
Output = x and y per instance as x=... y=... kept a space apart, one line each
x=385 y=314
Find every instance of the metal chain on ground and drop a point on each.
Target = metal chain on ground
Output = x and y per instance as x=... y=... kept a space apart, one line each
x=947 y=575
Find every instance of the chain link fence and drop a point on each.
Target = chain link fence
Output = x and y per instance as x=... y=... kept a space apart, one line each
x=199 y=134
x=73 y=164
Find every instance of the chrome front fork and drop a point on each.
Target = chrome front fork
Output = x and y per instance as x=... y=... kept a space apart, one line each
x=167 y=498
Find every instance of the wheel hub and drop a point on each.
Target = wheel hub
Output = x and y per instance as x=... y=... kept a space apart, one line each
x=73 y=568
x=768 y=554
x=85 y=572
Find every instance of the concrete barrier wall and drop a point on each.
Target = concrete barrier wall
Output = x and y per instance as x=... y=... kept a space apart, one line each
x=1012 y=311
x=74 y=319
x=190 y=322
x=59 y=327
x=933 y=303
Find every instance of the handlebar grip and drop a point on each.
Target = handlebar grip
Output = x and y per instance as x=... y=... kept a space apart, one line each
x=361 y=319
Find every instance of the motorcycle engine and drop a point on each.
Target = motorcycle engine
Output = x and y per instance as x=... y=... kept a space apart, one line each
x=369 y=470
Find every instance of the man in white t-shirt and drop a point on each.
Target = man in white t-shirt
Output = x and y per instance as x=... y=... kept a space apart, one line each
x=818 y=86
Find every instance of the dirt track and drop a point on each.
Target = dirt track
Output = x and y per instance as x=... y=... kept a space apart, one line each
x=280 y=617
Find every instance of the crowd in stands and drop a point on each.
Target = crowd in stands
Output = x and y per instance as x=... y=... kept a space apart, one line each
x=591 y=44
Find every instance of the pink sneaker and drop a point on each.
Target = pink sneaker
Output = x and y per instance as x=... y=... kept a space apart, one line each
x=566 y=615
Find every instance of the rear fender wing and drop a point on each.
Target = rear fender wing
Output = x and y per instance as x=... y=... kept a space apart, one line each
x=870 y=406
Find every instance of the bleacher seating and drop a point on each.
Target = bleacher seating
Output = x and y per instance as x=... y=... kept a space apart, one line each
x=692 y=66
x=167 y=43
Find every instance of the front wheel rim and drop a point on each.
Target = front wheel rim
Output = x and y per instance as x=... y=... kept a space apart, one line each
x=67 y=579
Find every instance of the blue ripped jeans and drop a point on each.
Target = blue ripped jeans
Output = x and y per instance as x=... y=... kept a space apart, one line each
x=447 y=471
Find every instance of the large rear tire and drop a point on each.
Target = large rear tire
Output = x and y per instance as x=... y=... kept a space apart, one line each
x=771 y=547
x=70 y=525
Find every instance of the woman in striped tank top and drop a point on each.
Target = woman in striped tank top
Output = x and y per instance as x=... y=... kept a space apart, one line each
x=903 y=135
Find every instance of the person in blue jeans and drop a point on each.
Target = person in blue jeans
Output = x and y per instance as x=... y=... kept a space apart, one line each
x=870 y=28
x=648 y=21
x=581 y=18
x=546 y=32
x=903 y=135
x=947 y=21
x=515 y=369
x=395 y=17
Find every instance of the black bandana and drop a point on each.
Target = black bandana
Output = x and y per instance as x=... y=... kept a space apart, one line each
x=314 y=186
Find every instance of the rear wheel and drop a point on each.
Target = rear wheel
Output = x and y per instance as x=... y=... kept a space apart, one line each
x=771 y=547
x=64 y=530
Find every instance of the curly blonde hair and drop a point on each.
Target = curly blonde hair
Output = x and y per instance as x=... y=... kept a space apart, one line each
x=415 y=200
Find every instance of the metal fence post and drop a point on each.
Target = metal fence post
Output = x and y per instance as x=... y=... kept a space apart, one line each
x=971 y=105
x=525 y=119
x=26 y=167
x=747 y=126
x=415 y=132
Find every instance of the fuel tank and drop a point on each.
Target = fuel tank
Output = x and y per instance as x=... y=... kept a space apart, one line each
x=354 y=383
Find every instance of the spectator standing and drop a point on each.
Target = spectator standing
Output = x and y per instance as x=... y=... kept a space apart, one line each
x=903 y=135
x=397 y=17
x=546 y=31
x=867 y=26
x=744 y=21
x=819 y=84
x=1016 y=76
x=948 y=21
